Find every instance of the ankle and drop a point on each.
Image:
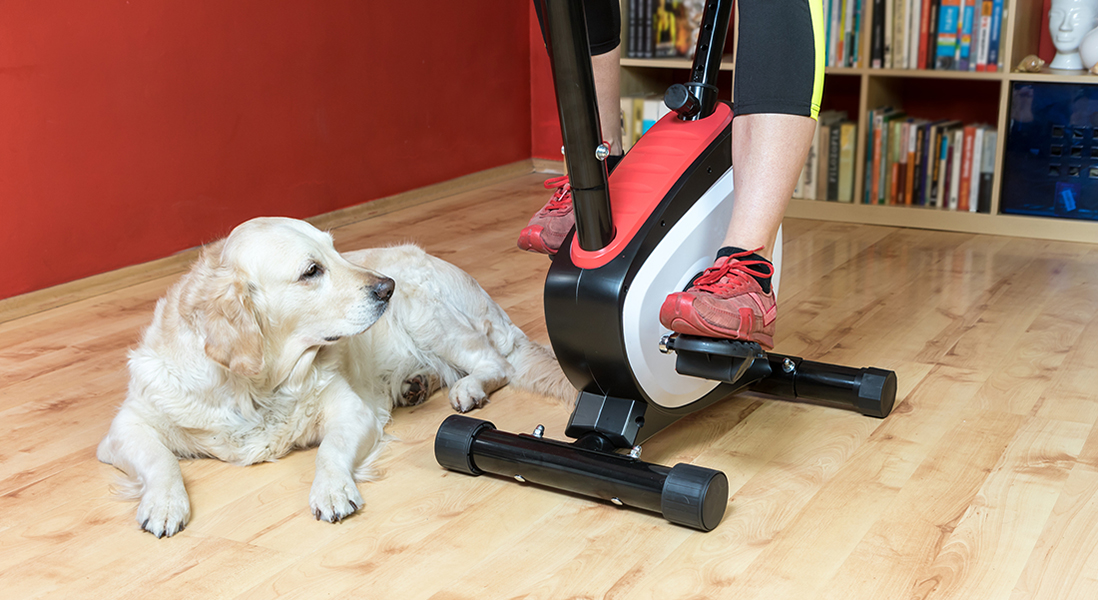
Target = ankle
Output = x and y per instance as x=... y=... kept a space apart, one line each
x=760 y=275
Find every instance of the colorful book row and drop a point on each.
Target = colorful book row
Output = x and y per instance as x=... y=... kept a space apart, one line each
x=955 y=35
x=662 y=28
x=943 y=164
x=828 y=172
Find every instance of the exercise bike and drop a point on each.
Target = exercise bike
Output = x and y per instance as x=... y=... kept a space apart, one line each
x=672 y=198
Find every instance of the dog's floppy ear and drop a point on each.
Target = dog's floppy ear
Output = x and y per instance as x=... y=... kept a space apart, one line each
x=222 y=303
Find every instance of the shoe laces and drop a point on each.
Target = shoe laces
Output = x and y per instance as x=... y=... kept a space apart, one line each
x=562 y=198
x=733 y=273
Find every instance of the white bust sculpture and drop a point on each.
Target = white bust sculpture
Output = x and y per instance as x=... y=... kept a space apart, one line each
x=1068 y=20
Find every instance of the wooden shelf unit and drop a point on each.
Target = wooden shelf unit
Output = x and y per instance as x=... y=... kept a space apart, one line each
x=986 y=98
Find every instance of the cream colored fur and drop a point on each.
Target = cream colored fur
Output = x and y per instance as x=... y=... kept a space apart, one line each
x=274 y=341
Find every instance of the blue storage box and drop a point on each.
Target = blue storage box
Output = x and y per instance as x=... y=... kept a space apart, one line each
x=1050 y=168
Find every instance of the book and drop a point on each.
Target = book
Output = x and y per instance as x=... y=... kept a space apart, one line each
x=900 y=21
x=876 y=39
x=853 y=33
x=914 y=29
x=893 y=168
x=987 y=171
x=848 y=140
x=823 y=131
x=932 y=35
x=665 y=29
x=889 y=20
x=626 y=123
x=827 y=165
x=885 y=166
x=941 y=185
x=924 y=30
x=974 y=168
x=949 y=14
x=654 y=109
x=807 y=183
x=850 y=32
x=984 y=36
x=964 y=188
x=918 y=198
x=914 y=131
x=637 y=121
x=939 y=150
x=956 y=155
x=994 y=35
x=964 y=33
x=834 y=146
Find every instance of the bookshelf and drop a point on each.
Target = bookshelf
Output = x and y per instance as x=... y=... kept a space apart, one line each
x=966 y=95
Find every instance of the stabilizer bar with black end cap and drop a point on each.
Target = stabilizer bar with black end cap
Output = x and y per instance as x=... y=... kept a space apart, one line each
x=869 y=390
x=685 y=494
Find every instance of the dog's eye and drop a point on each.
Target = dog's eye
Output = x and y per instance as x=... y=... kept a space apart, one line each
x=312 y=272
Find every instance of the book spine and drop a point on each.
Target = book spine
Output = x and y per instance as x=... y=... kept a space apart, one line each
x=889 y=21
x=917 y=197
x=834 y=144
x=987 y=171
x=932 y=35
x=914 y=8
x=810 y=168
x=876 y=40
x=848 y=35
x=948 y=16
x=924 y=29
x=965 y=187
x=822 y=161
x=875 y=165
x=941 y=142
x=956 y=152
x=899 y=41
x=883 y=164
x=848 y=137
x=994 y=35
x=964 y=46
x=974 y=168
x=909 y=175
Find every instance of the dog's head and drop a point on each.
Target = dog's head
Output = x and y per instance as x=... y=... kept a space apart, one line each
x=279 y=283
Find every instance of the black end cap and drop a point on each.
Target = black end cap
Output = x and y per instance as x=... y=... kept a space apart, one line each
x=876 y=392
x=454 y=443
x=694 y=496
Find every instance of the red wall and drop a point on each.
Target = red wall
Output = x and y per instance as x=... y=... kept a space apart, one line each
x=132 y=130
x=544 y=121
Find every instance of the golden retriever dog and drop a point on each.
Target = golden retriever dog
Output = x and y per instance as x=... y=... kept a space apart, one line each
x=275 y=341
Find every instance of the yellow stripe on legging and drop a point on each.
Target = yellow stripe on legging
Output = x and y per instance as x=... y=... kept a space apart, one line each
x=820 y=36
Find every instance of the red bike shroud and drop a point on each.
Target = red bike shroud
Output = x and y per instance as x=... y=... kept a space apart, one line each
x=644 y=177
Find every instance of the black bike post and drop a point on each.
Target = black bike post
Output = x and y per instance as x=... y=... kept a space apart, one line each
x=577 y=104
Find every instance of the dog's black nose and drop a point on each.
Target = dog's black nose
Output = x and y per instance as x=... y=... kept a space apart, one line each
x=384 y=289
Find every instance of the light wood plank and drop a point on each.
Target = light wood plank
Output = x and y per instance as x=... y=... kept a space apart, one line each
x=983 y=483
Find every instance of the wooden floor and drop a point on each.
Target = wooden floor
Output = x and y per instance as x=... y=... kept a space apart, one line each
x=982 y=484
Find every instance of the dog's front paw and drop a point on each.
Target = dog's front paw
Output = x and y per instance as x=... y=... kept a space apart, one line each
x=332 y=500
x=415 y=390
x=467 y=394
x=165 y=512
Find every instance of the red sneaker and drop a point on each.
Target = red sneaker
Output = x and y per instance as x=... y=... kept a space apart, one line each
x=725 y=301
x=550 y=225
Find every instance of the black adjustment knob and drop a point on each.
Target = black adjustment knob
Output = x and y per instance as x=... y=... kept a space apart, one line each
x=679 y=99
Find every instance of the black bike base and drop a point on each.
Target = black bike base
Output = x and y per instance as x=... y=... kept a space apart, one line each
x=685 y=494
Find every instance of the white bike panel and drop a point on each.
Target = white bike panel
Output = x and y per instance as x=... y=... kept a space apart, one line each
x=686 y=250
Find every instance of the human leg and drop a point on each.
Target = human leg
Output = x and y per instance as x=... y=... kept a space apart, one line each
x=779 y=77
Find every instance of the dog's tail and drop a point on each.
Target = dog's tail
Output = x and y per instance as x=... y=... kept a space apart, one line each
x=537 y=370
